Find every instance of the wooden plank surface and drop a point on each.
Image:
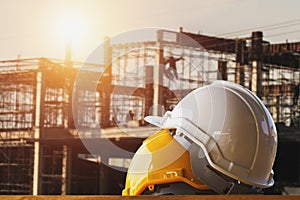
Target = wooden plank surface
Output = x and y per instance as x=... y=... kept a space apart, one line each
x=165 y=197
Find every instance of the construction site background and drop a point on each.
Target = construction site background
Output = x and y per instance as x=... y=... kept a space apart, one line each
x=51 y=109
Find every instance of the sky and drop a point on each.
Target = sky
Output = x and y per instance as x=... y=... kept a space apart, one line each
x=40 y=28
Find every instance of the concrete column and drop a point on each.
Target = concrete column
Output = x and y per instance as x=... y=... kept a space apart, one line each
x=222 y=70
x=104 y=176
x=66 y=170
x=158 y=104
x=106 y=85
x=38 y=128
x=254 y=77
x=149 y=90
x=256 y=61
x=240 y=46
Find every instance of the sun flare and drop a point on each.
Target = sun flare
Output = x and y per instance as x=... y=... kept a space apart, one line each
x=72 y=27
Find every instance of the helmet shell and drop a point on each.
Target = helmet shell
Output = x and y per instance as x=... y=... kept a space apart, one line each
x=159 y=160
x=233 y=128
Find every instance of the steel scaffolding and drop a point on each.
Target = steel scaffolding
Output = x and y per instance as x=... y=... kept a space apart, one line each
x=44 y=106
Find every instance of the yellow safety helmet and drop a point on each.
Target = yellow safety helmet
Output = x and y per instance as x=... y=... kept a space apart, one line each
x=230 y=135
x=162 y=166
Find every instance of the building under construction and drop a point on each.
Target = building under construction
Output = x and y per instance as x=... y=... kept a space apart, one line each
x=60 y=119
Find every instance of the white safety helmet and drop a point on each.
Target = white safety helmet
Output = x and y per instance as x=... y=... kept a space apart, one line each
x=230 y=135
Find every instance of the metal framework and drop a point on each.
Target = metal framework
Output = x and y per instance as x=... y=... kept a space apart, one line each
x=39 y=101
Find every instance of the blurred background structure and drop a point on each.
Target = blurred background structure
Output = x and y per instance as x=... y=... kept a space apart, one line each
x=42 y=136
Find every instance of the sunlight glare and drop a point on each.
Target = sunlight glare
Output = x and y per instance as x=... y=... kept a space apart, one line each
x=72 y=27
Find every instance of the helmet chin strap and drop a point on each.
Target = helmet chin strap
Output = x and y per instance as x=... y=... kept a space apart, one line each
x=214 y=180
